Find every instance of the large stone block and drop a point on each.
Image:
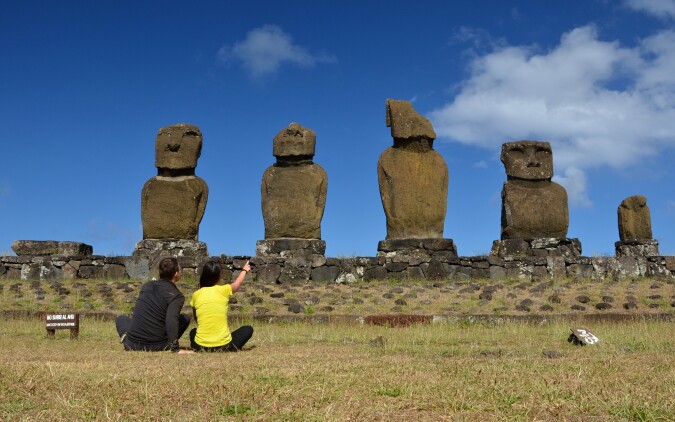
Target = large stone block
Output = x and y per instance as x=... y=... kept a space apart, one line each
x=325 y=274
x=634 y=219
x=173 y=207
x=149 y=252
x=634 y=247
x=375 y=273
x=409 y=244
x=75 y=249
x=137 y=267
x=268 y=273
x=537 y=247
x=178 y=147
x=291 y=247
x=413 y=178
x=534 y=210
x=35 y=247
x=293 y=274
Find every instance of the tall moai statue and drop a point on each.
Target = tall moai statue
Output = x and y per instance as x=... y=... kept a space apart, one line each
x=173 y=202
x=535 y=213
x=413 y=180
x=635 y=228
x=293 y=194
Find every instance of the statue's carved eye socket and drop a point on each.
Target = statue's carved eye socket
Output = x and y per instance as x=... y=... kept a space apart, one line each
x=516 y=153
x=173 y=147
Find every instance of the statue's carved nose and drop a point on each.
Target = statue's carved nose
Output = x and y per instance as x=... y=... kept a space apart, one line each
x=532 y=159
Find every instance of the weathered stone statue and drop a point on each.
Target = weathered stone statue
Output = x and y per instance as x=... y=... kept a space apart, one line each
x=413 y=181
x=532 y=205
x=634 y=218
x=294 y=188
x=293 y=194
x=413 y=177
x=635 y=228
x=535 y=215
x=173 y=202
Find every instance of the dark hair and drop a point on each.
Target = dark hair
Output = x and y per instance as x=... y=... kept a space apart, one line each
x=168 y=267
x=210 y=274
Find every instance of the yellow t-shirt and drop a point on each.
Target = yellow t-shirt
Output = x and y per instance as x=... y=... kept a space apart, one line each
x=210 y=305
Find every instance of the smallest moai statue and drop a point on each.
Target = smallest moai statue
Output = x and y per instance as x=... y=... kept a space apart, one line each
x=635 y=228
x=293 y=195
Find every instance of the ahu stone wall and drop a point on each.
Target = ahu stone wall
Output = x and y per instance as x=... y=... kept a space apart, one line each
x=344 y=270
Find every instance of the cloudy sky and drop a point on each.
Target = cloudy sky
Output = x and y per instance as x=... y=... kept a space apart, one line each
x=86 y=85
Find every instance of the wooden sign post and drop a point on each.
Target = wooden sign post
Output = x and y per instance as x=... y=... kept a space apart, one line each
x=63 y=322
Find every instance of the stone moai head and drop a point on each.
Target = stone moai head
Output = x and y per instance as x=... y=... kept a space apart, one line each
x=528 y=160
x=294 y=143
x=634 y=219
x=408 y=127
x=178 y=147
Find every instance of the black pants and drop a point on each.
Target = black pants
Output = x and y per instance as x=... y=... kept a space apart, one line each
x=123 y=322
x=239 y=338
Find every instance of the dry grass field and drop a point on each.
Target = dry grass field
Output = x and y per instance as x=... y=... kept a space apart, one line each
x=514 y=364
x=339 y=372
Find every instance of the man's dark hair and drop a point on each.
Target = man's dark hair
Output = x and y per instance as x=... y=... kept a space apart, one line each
x=167 y=268
x=210 y=274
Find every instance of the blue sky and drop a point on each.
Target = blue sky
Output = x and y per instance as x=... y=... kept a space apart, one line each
x=85 y=86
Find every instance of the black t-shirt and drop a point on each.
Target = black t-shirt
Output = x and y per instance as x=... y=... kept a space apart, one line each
x=155 y=319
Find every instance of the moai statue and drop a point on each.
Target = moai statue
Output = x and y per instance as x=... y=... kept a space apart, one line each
x=413 y=177
x=532 y=205
x=534 y=209
x=413 y=181
x=172 y=204
x=635 y=228
x=293 y=193
x=634 y=219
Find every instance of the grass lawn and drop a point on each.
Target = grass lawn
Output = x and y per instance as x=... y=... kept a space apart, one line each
x=338 y=372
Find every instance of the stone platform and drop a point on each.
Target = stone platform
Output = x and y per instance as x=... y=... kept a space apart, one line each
x=153 y=248
x=538 y=247
x=637 y=247
x=423 y=248
x=290 y=247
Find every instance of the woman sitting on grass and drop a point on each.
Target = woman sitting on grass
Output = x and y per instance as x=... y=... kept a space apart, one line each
x=210 y=305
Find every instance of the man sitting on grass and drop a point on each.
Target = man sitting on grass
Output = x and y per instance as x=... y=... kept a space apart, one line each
x=157 y=323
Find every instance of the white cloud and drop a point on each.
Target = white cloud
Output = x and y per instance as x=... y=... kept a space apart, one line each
x=658 y=8
x=480 y=164
x=598 y=103
x=574 y=182
x=265 y=49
